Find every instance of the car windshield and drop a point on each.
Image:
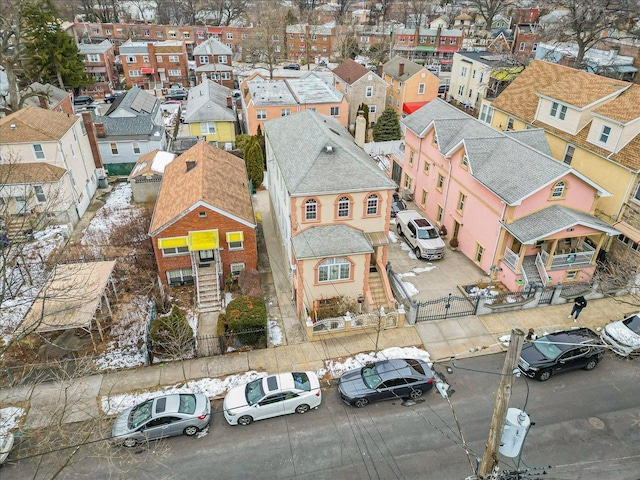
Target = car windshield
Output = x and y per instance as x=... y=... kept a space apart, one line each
x=370 y=376
x=427 y=233
x=254 y=391
x=547 y=348
x=633 y=323
x=187 y=404
x=140 y=414
x=301 y=381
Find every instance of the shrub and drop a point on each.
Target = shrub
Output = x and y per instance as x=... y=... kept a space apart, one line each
x=171 y=335
x=247 y=313
x=249 y=283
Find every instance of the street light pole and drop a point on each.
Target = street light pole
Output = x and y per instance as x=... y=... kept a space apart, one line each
x=490 y=457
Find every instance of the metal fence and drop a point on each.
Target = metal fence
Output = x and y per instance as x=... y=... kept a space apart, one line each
x=446 y=307
x=210 y=345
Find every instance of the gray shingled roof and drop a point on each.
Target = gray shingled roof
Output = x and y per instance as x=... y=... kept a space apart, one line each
x=299 y=144
x=392 y=67
x=212 y=46
x=88 y=48
x=129 y=126
x=330 y=241
x=552 y=220
x=534 y=137
x=208 y=103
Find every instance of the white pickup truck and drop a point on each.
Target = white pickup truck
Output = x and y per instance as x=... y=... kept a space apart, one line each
x=420 y=234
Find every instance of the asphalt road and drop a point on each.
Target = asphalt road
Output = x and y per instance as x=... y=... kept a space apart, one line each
x=587 y=427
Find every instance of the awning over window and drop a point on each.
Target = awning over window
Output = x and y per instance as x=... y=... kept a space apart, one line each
x=172 y=242
x=377 y=238
x=234 y=237
x=203 y=240
x=216 y=31
x=425 y=48
x=147 y=70
x=97 y=69
x=410 y=107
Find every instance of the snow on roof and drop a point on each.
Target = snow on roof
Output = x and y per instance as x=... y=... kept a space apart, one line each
x=161 y=160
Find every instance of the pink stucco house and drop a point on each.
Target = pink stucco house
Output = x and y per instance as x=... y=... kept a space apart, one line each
x=520 y=215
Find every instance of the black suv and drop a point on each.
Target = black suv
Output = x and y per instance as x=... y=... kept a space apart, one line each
x=176 y=95
x=83 y=100
x=559 y=352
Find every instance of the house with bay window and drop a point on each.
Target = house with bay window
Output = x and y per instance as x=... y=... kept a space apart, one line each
x=519 y=214
x=203 y=227
x=331 y=206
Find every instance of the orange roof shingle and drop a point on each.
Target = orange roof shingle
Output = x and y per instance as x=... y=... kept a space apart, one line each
x=33 y=172
x=218 y=178
x=35 y=124
x=624 y=108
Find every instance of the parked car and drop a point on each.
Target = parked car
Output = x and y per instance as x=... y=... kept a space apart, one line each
x=623 y=336
x=397 y=205
x=6 y=444
x=111 y=97
x=559 y=352
x=292 y=66
x=82 y=100
x=176 y=95
x=421 y=235
x=272 y=396
x=161 y=417
x=385 y=380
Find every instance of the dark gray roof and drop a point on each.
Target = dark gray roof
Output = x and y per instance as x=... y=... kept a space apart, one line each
x=552 y=220
x=330 y=241
x=141 y=125
x=135 y=102
x=317 y=156
x=55 y=94
x=207 y=102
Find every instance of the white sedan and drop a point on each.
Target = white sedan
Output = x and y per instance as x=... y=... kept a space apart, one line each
x=624 y=336
x=272 y=396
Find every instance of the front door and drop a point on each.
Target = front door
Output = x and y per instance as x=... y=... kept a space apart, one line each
x=206 y=257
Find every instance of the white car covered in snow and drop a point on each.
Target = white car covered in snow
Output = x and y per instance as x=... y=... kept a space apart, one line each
x=272 y=396
x=623 y=336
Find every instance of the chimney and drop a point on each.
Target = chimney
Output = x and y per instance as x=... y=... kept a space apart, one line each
x=401 y=69
x=361 y=127
x=190 y=164
x=100 y=130
x=229 y=102
x=379 y=70
x=91 y=136
x=43 y=102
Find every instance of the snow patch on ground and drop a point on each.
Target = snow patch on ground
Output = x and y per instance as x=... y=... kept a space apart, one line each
x=275 y=333
x=407 y=248
x=337 y=367
x=393 y=237
x=410 y=288
x=10 y=419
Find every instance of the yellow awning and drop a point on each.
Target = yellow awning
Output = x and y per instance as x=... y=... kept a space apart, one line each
x=235 y=237
x=172 y=242
x=203 y=240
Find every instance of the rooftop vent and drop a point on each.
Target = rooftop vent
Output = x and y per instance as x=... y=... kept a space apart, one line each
x=328 y=149
x=190 y=164
x=13 y=126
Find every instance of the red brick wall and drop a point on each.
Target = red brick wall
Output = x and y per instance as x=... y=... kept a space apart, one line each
x=192 y=222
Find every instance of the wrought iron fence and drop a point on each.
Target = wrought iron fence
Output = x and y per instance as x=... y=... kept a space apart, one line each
x=209 y=345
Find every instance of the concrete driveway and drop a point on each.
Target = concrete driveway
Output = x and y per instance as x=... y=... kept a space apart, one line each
x=432 y=279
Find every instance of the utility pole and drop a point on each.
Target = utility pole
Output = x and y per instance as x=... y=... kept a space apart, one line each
x=490 y=457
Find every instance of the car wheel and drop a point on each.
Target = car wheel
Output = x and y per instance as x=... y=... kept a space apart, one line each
x=191 y=430
x=399 y=229
x=415 y=393
x=418 y=253
x=245 y=420
x=591 y=365
x=130 y=442
x=361 y=402
x=304 y=408
x=544 y=375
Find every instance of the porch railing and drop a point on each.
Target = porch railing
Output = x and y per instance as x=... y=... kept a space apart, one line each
x=194 y=272
x=571 y=260
x=511 y=259
x=542 y=271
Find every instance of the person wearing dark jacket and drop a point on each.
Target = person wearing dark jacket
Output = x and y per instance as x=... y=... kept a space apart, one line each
x=578 y=304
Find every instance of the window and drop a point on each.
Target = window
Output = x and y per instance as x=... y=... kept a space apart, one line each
x=344 y=207
x=334 y=269
x=461 y=199
x=572 y=274
x=604 y=134
x=210 y=128
x=369 y=92
x=463 y=72
x=222 y=59
x=93 y=58
x=285 y=112
x=168 y=252
x=183 y=276
x=114 y=148
x=425 y=167
x=174 y=58
x=37 y=150
x=335 y=111
x=509 y=123
x=440 y=214
x=159 y=33
x=131 y=59
x=535 y=47
x=465 y=160
x=637 y=195
x=486 y=114
x=452 y=41
x=310 y=210
x=522 y=46
x=558 y=190
x=235 y=240
x=423 y=197
x=236 y=268
x=186 y=35
x=175 y=73
x=135 y=73
x=136 y=148
x=390 y=100
x=229 y=36
x=440 y=183
x=407 y=181
x=159 y=58
x=107 y=31
x=40 y=196
x=261 y=114
x=421 y=88
x=372 y=109
x=479 y=252
x=204 y=59
x=568 y=154
x=172 y=34
x=145 y=58
x=558 y=111
x=460 y=89
x=372 y=204
x=411 y=154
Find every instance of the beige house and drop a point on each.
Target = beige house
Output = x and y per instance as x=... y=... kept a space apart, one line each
x=331 y=207
x=592 y=123
x=411 y=86
x=360 y=85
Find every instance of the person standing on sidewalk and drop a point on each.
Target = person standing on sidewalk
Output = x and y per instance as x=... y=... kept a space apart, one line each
x=578 y=304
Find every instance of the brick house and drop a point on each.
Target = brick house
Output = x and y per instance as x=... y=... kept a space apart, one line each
x=213 y=61
x=99 y=61
x=154 y=65
x=427 y=46
x=203 y=227
x=311 y=43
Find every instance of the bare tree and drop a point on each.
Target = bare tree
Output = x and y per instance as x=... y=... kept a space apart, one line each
x=266 y=43
x=587 y=23
x=488 y=9
x=621 y=274
x=340 y=13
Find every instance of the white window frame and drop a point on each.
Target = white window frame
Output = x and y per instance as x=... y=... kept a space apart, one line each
x=210 y=128
x=372 y=109
x=344 y=207
x=604 y=135
x=235 y=268
x=368 y=91
x=285 y=112
x=174 y=73
x=174 y=58
x=93 y=57
x=131 y=59
x=38 y=151
x=421 y=88
x=39 y=192
x=335 y=111
x=204 y=59
x=113 y=146
x=180 y=273
x=372 y=204
x=334 y=269
x=136 y=148
x=234 y=246
x=261 y=114
x=311 y=210
x=175 y=251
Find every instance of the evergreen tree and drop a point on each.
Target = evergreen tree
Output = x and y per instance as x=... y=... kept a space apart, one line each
x=387 y=127
x=52 y=55
x=253 y=158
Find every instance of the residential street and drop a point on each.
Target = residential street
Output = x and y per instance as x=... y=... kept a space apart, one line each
x=587 y=427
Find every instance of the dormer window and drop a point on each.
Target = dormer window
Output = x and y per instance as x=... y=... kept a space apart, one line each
x=465 y=160
x=604 y=134
x=558 y=111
